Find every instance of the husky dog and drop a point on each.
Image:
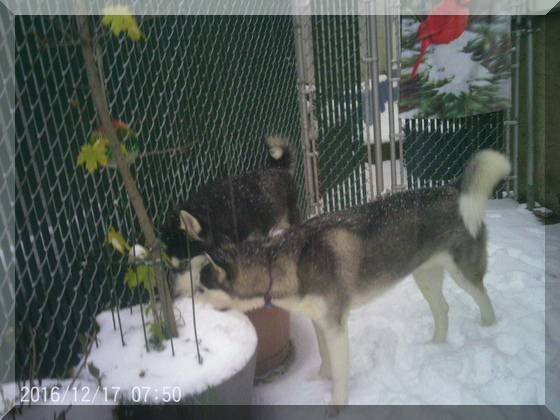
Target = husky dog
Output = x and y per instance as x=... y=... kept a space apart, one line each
x=337 y=261
x=232 y=210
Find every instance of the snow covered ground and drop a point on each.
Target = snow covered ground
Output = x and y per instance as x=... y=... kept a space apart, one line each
x=391 y=361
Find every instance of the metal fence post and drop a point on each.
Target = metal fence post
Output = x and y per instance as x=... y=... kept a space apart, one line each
x=392 y=32
x=530 y=115
x=305 y=89
x=512 y=139
x=373 y=61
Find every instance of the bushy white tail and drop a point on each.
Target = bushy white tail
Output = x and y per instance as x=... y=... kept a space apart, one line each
x=279 y=151
x=483 y=172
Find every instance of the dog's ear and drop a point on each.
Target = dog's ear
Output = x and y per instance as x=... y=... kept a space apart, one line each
x=220 y=273
x=190 y=224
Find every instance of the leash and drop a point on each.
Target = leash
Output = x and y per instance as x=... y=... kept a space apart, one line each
x=267 y=296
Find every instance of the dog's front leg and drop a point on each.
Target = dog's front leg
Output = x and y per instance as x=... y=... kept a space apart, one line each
x=336 y=343
x=325 y=369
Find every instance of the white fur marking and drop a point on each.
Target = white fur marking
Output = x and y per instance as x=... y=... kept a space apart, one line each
x=311 y=306
x=220 y=300
x=138 y=253
x=276 y=152
x=182 y=283
x=175 y=262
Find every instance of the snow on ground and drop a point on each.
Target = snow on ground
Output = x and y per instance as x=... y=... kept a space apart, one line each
x=369 y=130
x=391 y=361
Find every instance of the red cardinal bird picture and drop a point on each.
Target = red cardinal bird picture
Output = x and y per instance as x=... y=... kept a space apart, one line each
x=445 y=23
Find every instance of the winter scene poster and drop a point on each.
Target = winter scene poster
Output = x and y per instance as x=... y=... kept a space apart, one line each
x=454 y=64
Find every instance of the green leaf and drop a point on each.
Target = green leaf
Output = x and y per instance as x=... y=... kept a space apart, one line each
x=140 y=275
x=131 y=278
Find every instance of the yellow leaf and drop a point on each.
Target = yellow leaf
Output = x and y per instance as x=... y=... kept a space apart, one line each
x=125 y=152
x=93 y=155
x=120 y=19
x=134 y=33
x=117 y=241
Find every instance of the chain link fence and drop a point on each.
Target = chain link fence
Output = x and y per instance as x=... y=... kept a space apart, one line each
x=7 y=198
x=437 y=150
x=199 y=91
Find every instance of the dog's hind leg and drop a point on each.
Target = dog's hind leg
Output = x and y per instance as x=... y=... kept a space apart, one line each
x=470 y=280
x=430 y=280
x=335 y=336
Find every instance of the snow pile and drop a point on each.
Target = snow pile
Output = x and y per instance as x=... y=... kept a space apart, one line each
x=227 y=341
x=392 y=361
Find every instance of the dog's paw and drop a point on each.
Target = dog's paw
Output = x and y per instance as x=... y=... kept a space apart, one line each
x=321 y=375
x=334 y=408
x=487 y=322
x=333 y=411
x=316 y=376
x=437 y=340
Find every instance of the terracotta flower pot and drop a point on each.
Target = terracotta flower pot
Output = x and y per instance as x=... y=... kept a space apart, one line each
x=273 y=337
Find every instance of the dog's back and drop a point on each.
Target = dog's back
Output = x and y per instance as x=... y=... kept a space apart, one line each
x=251 y=204
x=369 y=247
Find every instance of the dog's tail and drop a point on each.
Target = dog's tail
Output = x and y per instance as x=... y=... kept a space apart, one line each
x=280 y=154
x=482 y=174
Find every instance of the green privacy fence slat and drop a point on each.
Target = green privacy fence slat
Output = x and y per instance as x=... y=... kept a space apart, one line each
x=212 y=85
x=336 y=43
x=436 y=151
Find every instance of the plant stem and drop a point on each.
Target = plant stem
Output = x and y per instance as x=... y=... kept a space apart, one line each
x=102 y=107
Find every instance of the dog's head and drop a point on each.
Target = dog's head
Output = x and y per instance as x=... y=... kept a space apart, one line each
x=235 y=276
x=186 y=239
x=185 y=235
x=218 y=279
